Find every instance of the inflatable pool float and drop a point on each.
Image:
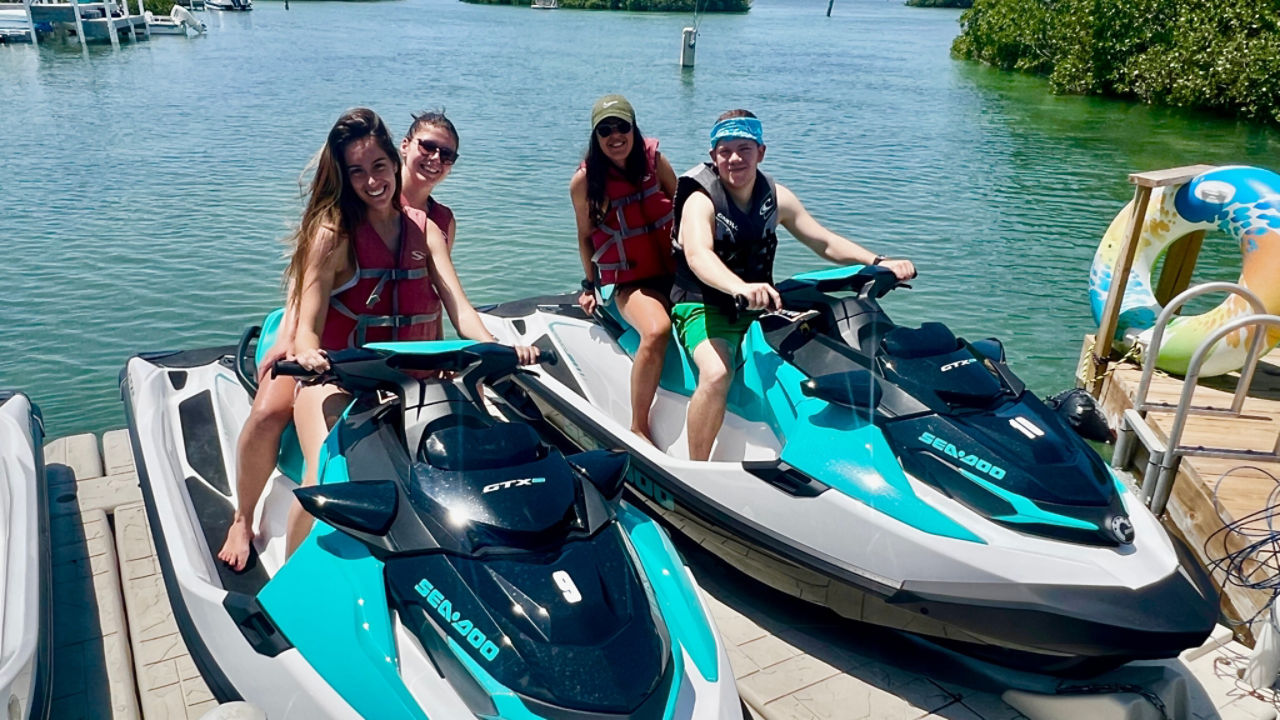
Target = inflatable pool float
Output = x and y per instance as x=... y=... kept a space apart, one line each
x=1242 y=202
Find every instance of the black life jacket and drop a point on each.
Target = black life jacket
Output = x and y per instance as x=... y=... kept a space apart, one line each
x=744 y=241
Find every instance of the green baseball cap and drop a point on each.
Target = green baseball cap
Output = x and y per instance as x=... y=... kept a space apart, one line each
x=612 y=106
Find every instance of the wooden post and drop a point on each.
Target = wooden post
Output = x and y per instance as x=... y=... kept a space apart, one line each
x=1144 y=184
x=1119 y=279
x=1179 y=264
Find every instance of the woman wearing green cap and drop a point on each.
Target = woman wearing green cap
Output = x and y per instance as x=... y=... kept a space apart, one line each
x=622 y=202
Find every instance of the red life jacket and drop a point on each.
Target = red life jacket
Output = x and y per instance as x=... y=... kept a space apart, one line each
x=442 y=216
x=391 y=298
x=633 y=241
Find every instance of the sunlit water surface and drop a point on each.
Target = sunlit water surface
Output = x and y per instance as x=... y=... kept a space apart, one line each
x=144 y=192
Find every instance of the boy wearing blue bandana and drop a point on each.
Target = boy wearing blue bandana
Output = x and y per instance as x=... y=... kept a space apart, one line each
x=726 y=216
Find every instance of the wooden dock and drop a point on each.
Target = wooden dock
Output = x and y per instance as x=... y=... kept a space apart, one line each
x=1195 y=510
x=118 y=653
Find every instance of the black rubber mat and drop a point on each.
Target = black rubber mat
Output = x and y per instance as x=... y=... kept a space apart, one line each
x=560 y=370
x=200 y=440
x=215 y=513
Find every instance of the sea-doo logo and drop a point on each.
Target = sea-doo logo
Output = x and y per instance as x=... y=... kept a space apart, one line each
x=969 y=459
x=958 y=363
x=465 y=628
x=418 y=255
x=518 y=482
x=1121 y=528
x=650 y=489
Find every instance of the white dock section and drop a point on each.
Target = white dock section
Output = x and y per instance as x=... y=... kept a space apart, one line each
x=103 y=20
x=118 y=653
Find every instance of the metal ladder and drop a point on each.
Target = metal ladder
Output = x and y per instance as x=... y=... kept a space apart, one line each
x=1164 y=457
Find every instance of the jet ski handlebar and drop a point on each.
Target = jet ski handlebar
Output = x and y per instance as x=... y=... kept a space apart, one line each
x=872 y=282
x=384 y=363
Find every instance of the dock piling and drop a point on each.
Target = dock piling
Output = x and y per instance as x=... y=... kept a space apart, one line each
x=688 y=42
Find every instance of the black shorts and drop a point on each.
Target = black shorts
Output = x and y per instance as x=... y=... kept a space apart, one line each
x=660 y=284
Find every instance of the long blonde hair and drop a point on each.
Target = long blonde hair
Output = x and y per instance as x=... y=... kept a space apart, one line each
x=331 y=201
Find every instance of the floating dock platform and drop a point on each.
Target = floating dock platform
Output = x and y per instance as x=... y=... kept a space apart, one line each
x=117 y=651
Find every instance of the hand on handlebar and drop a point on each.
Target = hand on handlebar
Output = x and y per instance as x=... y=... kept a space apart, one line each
x=527 y=354
x=759 y=296
x=904 y=269
x=586 y=301
x=313 y=359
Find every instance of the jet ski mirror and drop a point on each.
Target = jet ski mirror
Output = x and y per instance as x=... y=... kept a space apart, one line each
x=606 y=469
x=852 y=388
x=366 y=507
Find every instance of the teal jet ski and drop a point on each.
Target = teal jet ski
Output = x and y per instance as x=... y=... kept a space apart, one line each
x=900 y=476
x=459 y=567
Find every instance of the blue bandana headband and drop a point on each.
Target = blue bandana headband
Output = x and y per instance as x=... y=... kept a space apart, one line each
x=737 y=127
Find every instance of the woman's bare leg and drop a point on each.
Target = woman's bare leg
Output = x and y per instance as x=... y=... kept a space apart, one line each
x=256 y=453
x=646 y=310
x=316 y=410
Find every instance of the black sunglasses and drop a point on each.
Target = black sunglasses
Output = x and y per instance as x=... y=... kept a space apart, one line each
x=448 y=156
x=607 y=128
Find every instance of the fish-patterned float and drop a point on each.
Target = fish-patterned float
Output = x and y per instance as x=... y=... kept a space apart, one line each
x=1244 y=203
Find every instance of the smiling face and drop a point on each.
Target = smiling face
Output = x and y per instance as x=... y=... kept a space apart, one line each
x=371 y=173
x=424 y=166
x=736 y=160
x=615 y=137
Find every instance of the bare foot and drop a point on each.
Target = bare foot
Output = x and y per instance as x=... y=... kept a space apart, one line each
x=644 y=435
x=235 y=551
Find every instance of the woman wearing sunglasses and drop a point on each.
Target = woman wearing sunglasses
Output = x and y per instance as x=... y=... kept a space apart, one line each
x=364 y=264
x=622 y=195
x=429 y=150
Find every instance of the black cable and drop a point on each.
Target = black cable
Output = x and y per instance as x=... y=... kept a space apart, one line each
x=1254 y=563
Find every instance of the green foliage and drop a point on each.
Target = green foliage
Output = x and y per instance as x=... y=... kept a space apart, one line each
x=639 y=5
x=1221 y=55
x=941 y=3
x=159 y=7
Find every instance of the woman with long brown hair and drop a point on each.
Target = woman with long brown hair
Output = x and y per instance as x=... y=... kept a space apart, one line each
x=622 y=196
x=364 y=268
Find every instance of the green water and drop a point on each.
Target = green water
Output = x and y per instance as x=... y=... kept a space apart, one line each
x=143 y=192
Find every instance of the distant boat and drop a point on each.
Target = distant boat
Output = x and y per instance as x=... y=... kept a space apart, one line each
x=177 y=22
x=545 y=4
x=229 y=4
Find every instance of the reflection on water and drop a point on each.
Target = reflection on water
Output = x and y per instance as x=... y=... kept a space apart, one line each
x=145 y=191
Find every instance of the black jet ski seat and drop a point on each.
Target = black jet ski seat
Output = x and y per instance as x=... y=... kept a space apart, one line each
x=929 y=339
x=474 y=444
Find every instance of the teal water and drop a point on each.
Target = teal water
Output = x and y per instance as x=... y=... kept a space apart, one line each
x=144 y=192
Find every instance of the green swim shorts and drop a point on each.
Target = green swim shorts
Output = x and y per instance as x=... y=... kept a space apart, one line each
x=695 y=322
